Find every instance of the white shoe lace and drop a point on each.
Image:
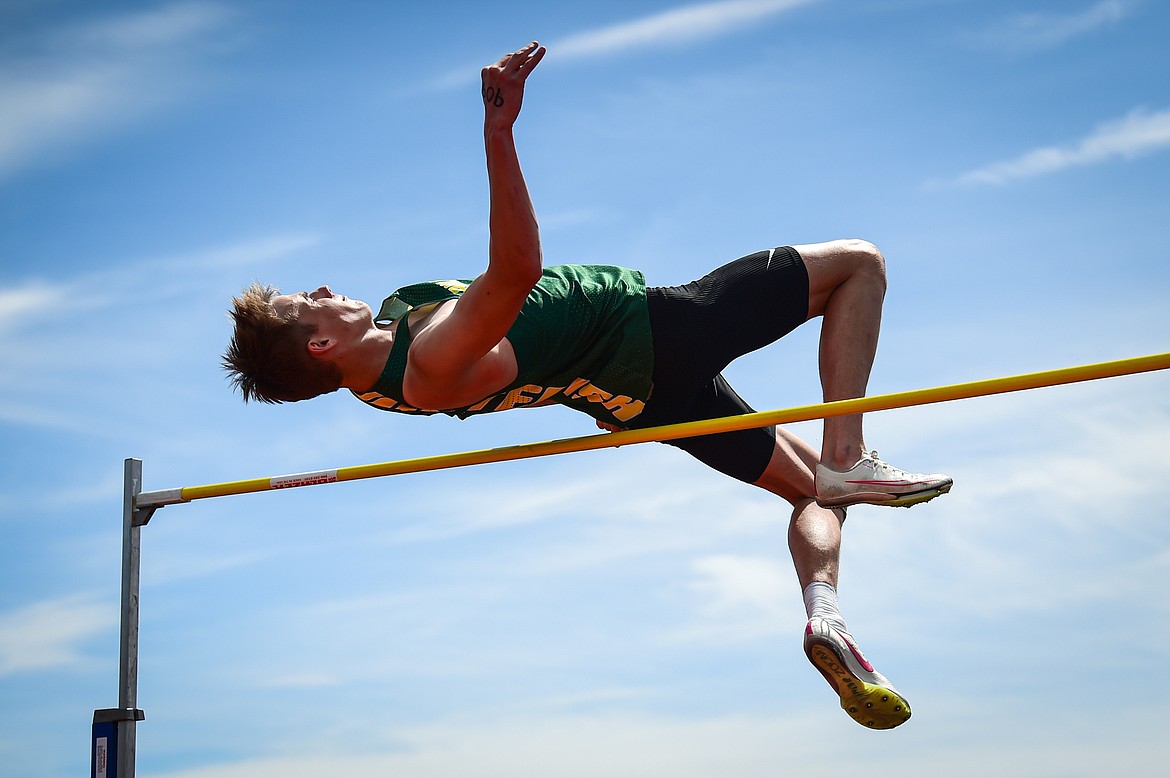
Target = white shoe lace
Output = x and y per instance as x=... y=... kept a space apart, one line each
x=888 y=471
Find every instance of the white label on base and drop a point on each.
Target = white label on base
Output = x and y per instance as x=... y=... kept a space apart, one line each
x=100 y=752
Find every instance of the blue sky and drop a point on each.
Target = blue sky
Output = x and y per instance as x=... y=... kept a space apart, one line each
x=618 y=613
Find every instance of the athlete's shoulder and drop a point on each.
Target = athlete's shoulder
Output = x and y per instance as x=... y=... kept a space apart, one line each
x=414 y=296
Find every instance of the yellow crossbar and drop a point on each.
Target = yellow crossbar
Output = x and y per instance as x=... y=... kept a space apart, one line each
x=881 y=402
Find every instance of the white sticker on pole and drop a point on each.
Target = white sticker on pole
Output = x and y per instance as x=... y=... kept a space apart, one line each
x=303 y=479
x=100 y=758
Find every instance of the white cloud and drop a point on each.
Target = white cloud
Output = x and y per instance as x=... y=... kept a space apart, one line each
x=36 y=300
x=1042 y=30
x=742 y=598
x=164 y=26
x=645 y=746
x=184 y=564
x=1046 y=489
x=57 y=332
x=732 y=582
x=673 y=27
x=32 y=300
x=87 y=81
x=1133 y=135
x=678 y=25
x=493 y=506
x=50 y=634
x=265 y=249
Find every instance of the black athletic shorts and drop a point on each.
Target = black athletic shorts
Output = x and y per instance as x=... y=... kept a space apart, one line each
x=699 y=329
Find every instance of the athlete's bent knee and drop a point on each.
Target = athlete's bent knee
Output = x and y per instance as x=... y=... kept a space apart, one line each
x=868 y=259
x=867 y=254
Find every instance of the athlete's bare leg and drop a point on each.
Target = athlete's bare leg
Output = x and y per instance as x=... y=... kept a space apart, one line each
x=847 y=285
x=814 y=533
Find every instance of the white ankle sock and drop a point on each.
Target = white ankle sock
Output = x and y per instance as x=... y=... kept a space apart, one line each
x=820 y=601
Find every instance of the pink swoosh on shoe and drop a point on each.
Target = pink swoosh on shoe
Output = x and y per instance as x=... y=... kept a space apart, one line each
x=887 y=483
x=858 y=656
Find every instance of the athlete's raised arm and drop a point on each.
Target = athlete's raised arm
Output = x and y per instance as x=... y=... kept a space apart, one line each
x=459 y=358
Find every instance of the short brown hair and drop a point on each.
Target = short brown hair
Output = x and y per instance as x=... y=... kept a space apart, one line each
x=267 y=359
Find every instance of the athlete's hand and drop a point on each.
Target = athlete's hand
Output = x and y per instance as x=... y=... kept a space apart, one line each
x=605 y=425
x=503 y=85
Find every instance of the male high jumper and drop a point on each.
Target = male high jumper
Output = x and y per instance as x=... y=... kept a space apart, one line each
x=598 y=339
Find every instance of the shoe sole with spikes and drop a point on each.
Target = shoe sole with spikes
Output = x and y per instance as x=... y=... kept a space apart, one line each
x=866 y=695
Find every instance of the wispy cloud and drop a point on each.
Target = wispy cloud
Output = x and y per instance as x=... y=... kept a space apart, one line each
x=731 y=582
x=49 y=634
x=26 y=304
x=46 y=349
x=686 y=745
x=572 y=746
x=740 y=598
x=1132 y=136
x=76 y=84
x=677 y=26
x=268 y=248
x=1044 y=30
x=166 y=26
x=19 y=303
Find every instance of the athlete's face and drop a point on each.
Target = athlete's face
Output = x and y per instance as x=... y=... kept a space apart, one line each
x=324 y=310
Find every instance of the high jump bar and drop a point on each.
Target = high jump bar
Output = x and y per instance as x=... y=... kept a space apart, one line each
x=146 y=501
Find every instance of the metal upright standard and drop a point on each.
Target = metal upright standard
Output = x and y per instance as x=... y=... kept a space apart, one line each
x=114 y=729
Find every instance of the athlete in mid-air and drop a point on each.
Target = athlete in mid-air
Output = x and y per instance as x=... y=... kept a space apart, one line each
x=598 y=339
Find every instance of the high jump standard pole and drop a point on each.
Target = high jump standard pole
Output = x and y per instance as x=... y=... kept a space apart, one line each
x=114 y=734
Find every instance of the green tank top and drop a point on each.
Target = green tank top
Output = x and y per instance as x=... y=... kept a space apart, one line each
x=582 y=339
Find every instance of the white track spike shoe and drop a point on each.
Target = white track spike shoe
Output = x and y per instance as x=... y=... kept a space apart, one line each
x=873 y=481
x=866 y=695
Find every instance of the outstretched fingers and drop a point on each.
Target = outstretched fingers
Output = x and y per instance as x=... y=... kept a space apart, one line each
x=523 y=60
